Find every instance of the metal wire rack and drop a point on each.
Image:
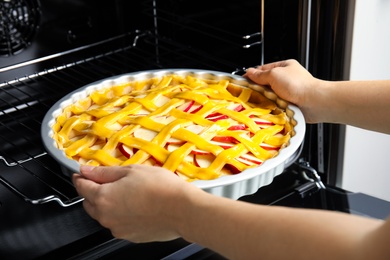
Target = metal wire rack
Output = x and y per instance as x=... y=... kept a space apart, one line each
x=25 y=168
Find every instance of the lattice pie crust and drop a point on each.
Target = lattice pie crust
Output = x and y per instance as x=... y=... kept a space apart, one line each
x=196 y=127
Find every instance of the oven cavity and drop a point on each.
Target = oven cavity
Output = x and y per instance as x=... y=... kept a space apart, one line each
x=19 y=22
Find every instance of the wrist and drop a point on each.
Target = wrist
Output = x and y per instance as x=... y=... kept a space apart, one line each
x=184 y=209
x=317 y=103
x=194 y=213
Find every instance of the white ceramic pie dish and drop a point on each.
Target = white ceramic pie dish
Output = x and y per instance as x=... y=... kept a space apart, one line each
x=232 y=186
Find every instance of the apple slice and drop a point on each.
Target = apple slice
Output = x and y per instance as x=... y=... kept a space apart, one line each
x=196 y=129
x=237 y=127
x=155 y=161
x=164 y=119
x=260 y=121
x=224 y=145
x=186 y=106
x=216 y=118
x=200 y=152
x=225 y=139
x=239 y=108
x=161 y=100
x=173 y=140
x=203 y=161
x=115 y=127
x=235 y=107
x=249 y=160
x=195 y=108
x=190 y=107
x=233 y=169
x=142 y=112
x=145 y=134
x=125 y=150
x=172 y=147
x=269 y=147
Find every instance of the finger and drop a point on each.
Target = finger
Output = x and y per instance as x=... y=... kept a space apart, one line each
x=272 y=65
x=262 y=74
x=103 y=174
x=89 y=190
x=258 y=76
x=84 y=187
x=90 y=208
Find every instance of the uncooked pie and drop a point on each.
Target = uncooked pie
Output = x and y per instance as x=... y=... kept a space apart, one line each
x=198 y=128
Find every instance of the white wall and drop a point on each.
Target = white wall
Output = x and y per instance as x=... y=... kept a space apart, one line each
x=367 y=154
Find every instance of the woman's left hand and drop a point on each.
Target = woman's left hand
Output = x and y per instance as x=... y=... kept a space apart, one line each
x=137 y=202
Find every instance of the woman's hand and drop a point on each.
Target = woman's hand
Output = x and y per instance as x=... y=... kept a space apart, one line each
x=364 y=104
x=138 y=203
x=290 y=81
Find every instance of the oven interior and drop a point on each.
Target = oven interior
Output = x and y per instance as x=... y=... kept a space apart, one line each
x=49 y=48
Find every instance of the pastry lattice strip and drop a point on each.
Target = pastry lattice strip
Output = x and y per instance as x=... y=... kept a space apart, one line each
x=92 y=130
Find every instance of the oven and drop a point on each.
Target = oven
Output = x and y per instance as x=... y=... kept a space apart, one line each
x=49 y=48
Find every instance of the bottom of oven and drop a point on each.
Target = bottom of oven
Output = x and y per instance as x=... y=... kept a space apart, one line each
x=285 y=190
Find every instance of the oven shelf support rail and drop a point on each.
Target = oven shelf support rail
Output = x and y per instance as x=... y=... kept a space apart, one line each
x=305 y=166
x=314 y=180
x=137 y=35
x=42 y=200
x=253 y=37
x=12 y=164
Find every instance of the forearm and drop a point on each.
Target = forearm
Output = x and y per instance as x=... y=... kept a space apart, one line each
x=247 y=231
x=363 y=104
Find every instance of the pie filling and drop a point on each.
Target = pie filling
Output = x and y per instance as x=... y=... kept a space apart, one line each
x=198 y=128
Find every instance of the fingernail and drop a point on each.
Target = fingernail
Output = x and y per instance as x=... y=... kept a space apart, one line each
x=86 y=168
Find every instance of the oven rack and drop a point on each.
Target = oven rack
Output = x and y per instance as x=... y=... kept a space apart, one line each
x=25 y=168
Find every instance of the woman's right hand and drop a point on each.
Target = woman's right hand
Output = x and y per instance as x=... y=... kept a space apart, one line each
x=290 y=81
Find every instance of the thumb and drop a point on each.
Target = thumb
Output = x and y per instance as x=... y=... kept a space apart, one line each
x=258 y=76
x=102 y=174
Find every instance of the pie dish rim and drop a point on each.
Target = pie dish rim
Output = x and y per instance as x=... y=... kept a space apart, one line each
x=233 y=186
